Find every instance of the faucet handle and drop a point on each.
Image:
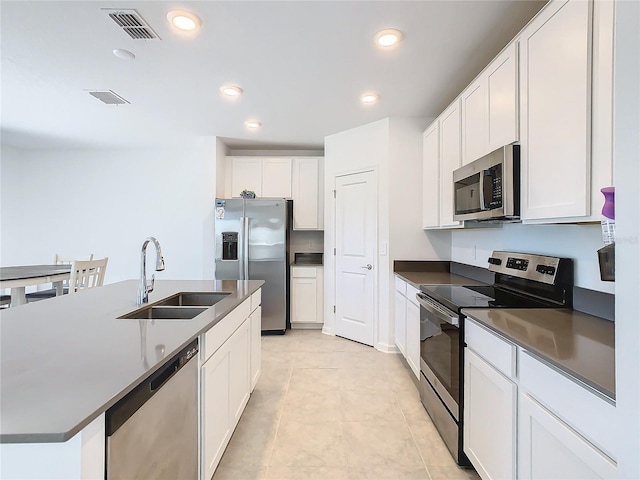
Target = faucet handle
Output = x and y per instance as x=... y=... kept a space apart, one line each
x=151 y=284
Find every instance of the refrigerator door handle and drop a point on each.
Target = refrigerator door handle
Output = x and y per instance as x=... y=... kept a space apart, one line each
x=245 y=246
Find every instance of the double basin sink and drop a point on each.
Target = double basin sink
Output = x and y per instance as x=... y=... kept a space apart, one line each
x=181 y=306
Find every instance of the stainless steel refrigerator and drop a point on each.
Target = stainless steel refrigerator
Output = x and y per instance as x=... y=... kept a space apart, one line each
x=252 y=243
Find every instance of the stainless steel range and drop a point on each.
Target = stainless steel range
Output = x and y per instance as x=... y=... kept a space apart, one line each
x=521 y=281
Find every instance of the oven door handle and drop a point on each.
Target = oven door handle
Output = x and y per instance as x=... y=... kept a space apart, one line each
x=439 y=311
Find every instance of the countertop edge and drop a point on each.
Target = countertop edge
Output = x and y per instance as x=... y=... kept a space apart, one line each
x=592 y=386
x=61 y=437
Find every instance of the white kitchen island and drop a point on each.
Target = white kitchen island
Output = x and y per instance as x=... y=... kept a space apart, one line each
x=67 y=360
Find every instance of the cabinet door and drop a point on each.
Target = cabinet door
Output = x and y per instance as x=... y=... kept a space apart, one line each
x=474 y=120
x=246 y=175
x=320 y=294
x=489 y=432
x=239 y=372
x=276 y=177
x=401 y=322
x=256 y=345
x=431 y=177
x=555 y=112
x=304 y=300
x=548 y=449
x=413 y=337
x=449 y=161
x=306 y=194
x=502 y=99
x=216 y=428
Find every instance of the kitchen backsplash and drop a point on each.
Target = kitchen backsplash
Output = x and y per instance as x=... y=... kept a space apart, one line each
x=305 y=241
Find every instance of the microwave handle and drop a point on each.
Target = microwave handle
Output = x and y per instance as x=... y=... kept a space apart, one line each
x=481 y=190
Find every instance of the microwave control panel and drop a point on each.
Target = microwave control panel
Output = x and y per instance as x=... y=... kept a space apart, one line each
x=492 y=179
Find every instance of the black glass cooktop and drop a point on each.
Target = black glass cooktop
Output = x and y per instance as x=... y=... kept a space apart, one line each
x=456 y=297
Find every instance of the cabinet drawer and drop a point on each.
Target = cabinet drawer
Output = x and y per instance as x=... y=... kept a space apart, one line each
x=492 y=348
x=219 y=333
x=256 y=299
x=303 y=272
x=411 y=294
x=401 y=286
x=585 y=411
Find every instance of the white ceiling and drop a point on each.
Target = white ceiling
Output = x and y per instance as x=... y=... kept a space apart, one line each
x=302 y=64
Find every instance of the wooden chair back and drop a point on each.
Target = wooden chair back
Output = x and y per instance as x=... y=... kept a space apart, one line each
x=87 y=274
x=61 y=259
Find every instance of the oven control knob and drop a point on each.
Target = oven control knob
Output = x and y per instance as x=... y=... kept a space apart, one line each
x=495 y=261
x=545 y=270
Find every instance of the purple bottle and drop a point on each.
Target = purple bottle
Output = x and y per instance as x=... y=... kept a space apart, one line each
x=608 y=215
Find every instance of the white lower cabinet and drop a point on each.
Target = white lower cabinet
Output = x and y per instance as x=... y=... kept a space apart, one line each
x=533 y=421
x=413 y=331
x=549 y=449
x=407 y=324
x=256 y=337
x=239 y=371
x=230 y=356
x=401 y=322
x=307 y=297
x=490 y=401
x=216 y=428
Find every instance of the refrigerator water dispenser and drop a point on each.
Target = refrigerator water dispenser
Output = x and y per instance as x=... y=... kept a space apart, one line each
x=229 y=245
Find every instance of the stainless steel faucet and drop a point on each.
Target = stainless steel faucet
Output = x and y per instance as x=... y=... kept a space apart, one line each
x=144 y=288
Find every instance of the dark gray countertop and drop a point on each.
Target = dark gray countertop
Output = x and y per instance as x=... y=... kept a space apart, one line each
x=435 y=278
x=581 y=345
x=66 y=360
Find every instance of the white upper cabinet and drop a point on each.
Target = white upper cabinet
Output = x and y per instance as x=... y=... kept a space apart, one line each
x=502 y=99
x=246 y=174
x=555 y=104
x=276 y=177
x=431 y=177
x=307 y=189
x=298 y=178
x=490 y=107
x=450 y=160
x=267 y=177
x=474 y=121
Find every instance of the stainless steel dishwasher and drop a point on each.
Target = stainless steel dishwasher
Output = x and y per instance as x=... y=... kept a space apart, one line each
x=152 y=433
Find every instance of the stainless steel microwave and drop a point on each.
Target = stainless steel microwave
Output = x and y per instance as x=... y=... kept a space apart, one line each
x=489 y=188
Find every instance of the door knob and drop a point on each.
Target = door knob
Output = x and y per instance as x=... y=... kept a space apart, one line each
x=368 y=266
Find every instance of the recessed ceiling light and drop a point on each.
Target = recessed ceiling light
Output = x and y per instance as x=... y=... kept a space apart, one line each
x=388 y=37
x=253 y=124
x=369 y=98
x=183 y=20
x=124 y=54
x=231 y=90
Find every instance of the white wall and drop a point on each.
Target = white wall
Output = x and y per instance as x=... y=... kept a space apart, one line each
x=580 y=242
x=393 y=148
x=350 y=151
x=626 y=148
x=106 y=202
x=221 y=167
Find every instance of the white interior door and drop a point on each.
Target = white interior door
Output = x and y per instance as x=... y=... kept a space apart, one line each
x=356 y=211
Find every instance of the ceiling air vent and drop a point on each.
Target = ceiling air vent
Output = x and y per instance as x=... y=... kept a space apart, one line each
x=109 y=97
x=132 y=23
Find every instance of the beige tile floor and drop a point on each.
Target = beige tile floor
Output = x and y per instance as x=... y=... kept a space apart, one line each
x=326 y=408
